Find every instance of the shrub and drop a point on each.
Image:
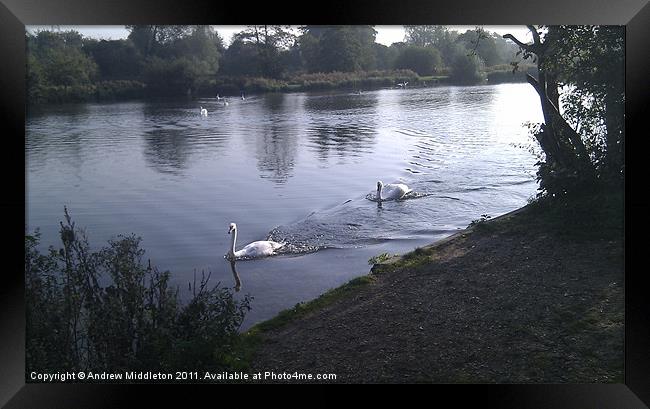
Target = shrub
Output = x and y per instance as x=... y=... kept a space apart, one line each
x=107 y=311
x=467 y=69
x=422 y=60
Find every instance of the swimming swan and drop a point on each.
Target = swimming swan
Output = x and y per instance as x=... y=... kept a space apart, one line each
x=204 y=112
x=391 y=191
x=253 y=250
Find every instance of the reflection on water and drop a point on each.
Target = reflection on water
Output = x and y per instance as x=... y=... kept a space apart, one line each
x=235 y=275
x=167 y=150
x=288 y=167
x=276 y=146
x=342 y=125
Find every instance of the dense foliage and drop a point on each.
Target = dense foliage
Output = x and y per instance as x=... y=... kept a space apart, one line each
x=580 y=82
x=106 y=311
x=158 y=60
x=422 y=60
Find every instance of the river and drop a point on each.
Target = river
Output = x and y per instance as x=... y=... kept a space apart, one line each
x=298 y=167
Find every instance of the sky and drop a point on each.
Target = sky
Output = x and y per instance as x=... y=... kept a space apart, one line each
x=385 y=34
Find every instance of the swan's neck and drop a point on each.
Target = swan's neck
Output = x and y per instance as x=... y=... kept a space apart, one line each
x=234 y=239
x=379 y=192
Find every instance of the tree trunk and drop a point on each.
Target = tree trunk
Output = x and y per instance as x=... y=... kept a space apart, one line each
x=561 y=143
x=615 y=132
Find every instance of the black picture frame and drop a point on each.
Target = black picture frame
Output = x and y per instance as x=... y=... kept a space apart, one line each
x=16 y=14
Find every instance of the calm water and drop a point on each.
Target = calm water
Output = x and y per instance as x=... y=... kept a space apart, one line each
x=296 y=167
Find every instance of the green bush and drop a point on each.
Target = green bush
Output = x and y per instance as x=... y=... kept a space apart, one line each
x=467 y=69
x=106 y=310
x=422 y=60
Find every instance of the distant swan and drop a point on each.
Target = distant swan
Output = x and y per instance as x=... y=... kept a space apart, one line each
x=255 y=249
x=243 y=98
x=225 y=103
x=391 y=191
x=204 y=112
x=219 y=98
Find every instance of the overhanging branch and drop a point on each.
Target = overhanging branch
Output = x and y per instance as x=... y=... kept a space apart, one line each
x=524 y=46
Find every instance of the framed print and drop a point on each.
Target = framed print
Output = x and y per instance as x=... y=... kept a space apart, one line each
x=411 y=193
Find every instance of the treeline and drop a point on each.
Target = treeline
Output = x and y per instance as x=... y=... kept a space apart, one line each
x=194 y=61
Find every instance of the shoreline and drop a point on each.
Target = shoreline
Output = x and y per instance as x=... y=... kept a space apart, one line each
x=510 y=299
x=103 y=93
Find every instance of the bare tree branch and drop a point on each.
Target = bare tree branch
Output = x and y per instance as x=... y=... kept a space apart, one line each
x=527 y=47
x=535 y=33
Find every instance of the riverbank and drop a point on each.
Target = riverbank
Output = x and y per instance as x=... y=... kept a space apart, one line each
x=129 y=90
x=533 y=296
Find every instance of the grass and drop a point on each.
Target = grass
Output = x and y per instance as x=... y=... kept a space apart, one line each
x=304 y=308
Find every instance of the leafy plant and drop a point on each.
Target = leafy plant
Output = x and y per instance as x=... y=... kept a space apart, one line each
x=107 y=310
x=378 y=259
x=482 y=219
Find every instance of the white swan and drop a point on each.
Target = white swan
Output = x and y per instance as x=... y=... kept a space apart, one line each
x=225 y=103
x=391 y=191
x=219 y=98
x=243 y=98
x=255 y=249
x=204 y=112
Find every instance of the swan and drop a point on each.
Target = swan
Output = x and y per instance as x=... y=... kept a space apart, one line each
x=219 y=98
x=243 y=98
x=225 y=103
x=391 y=191
x=255 y=249
x=403 y=84
x=204 y=112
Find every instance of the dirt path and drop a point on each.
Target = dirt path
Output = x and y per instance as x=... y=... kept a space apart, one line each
x=511 y=300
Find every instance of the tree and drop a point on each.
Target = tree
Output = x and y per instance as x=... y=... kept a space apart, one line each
x=483 y=44
x=422 y=60
x=151 y=39
x=591 y=61
x=438 y=37
x=309 y=46
x=426 y=36
x=178 y=60
x=242 y=59
x=61 y=59
x=385 y=57
x=466 y=67
x=115 y=59
x=586 y=63
x=340 y=48
x=269 y=41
